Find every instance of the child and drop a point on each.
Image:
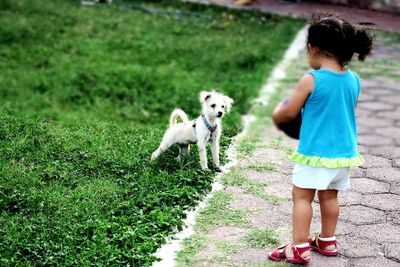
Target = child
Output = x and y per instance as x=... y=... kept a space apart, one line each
x=327 y=96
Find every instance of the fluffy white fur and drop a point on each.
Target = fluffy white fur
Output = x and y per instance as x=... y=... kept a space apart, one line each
x=214 y=106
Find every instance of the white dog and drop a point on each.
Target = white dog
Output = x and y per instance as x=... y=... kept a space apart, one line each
x=201 y=130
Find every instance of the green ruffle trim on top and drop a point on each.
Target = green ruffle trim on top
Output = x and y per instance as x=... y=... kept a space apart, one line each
x=327 y=162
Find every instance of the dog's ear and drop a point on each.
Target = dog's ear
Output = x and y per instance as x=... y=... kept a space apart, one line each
x=204 y=96
x=228 y=103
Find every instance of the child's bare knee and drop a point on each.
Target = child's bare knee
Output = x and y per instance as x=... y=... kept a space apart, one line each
x=326 y=195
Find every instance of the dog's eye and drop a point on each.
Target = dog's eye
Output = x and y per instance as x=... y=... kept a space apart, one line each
x=223 y=106
x=213 y=105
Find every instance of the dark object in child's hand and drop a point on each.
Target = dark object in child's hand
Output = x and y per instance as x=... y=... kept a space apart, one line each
x=291 y=128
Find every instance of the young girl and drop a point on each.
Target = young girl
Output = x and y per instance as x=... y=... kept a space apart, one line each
x=327 y=97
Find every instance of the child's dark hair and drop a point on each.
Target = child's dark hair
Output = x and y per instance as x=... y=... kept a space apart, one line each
x=339 y=38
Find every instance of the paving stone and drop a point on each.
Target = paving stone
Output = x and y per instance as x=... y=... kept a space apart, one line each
x=270 y=219
x=285 y=235
x=207 y=251
x=357 y=172
x=393 y=99
x=285 y=207
x=394 y=217
x=389 y=85
x=345 y=228
x=389 y=202
x=207 y=263
x=395 y=189
x=285 y=167
x=283 y=191
x=256 y=175
x=369 y=186
x=378 y=91
x=266 y=176
x=248 y=201
x=374 y=262
x=393 y=251
x=316 y=209
x=374 y=122
x=386 y=151
x=364 y=97
x=360 y=215
x=351 y=246
x=365 y=130
x=362 y=149
x=318 y=260
x=374 y=161
x=290 y=143
x=382 y=233
x=369 y=85
x=393 y=115
x=363 y=112
x=342 y=227
x=392 y=85
x=377 y=106
x=374 y=140
x=396 y=162
x=250 y=255
x=384 y=174
x=227 y=233
x=234 y=189
x=391 y=132
x=267 y=153
x=349 y=198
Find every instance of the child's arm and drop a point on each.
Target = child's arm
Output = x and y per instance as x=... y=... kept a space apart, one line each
x=288 y=110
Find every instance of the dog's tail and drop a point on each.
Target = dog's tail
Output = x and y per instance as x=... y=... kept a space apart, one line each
x=178 y=113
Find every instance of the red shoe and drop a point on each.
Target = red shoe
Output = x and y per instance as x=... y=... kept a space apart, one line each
x=279 y=254
x=320 y=246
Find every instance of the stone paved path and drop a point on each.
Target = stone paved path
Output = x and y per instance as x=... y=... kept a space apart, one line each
x=381 y=20
x=257 y=212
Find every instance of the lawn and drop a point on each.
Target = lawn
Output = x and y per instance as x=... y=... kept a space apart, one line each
x=85 y=96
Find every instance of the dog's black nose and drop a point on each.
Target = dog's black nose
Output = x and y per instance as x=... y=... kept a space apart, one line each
x=220 y=114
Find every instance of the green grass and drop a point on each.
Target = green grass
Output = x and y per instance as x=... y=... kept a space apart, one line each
x=262 y=238
x=254 y=187
x=218 y=213
x=246 y=146
x=192 y=246
x=262 y=166
x=85 y=95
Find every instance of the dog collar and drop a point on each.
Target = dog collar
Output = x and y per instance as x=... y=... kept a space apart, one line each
x=209 y=127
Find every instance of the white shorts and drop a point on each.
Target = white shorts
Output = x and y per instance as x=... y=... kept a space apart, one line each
x=321 y=178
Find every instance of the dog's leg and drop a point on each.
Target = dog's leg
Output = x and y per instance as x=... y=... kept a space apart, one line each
x=165 y=144
x=203 y=156
x=215 y=152
x=183 y=150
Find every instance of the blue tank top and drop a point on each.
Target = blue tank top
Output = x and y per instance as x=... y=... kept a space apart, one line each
x=328 y=129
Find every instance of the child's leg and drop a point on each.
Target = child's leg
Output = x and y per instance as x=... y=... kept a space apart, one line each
x=302 y=215
x=329 y=204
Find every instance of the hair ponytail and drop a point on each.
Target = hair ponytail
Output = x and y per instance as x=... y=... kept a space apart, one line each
x=337 y=37
x=363 y=42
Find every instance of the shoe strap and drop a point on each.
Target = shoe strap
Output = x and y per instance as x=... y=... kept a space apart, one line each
x=323 y=244
x=298 y=251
